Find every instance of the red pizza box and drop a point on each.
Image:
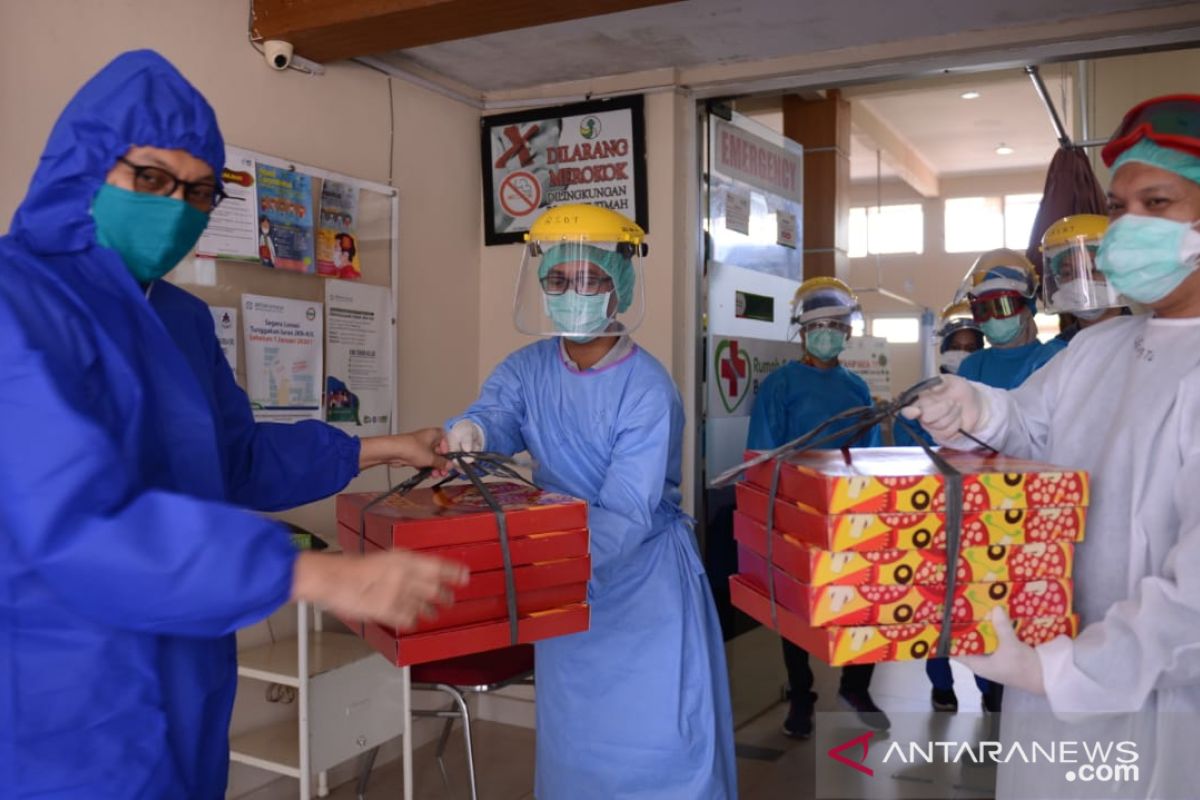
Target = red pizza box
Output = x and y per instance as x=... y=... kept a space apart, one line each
x=816 y=567
x=421 y=648
x=870 y=604
x=903 y=479
x=490 y=608
x=870 y=644
x=532 y=549
x=893 y=530
x=458 y=514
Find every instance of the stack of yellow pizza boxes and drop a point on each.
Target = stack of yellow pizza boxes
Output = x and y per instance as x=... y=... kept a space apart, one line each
x=859 y=556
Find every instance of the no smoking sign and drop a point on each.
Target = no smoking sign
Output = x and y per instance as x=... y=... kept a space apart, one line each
x=520 y=194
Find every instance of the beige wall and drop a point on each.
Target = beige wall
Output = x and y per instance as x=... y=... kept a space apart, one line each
x=341 y=121
x=932 y=277
x=1118 y=84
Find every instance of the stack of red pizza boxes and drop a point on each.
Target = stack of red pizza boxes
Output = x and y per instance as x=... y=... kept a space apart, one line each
x=548 y=546
x=860 y=561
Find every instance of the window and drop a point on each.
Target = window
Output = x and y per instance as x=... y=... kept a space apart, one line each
x=897 y=330
x=1020 y=210
x=887 y=230
x=975 y=224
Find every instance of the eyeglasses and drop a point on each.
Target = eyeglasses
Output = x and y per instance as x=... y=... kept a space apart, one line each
x=1000 y=305
x=586 y=284
x=203 y=195
x=826 y=325
x=1171 y=121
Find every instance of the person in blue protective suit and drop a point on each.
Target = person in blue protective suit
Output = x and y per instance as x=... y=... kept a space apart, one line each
x=638 y=706
x=1001 y=286
x=126 y=560
x=792 y=401
x=959 y=335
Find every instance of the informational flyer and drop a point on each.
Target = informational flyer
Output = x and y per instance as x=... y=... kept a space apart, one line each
x=285 y=220
x=283 y=357
x=737 y=212
x=787 y=229
x=232 y=230
x=358 y=347
x=867 y=357
x=225 y=323
x=337 y=243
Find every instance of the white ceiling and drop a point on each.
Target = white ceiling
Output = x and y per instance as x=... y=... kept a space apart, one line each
x=952 y=135
x=957 y=136
x=707 y=32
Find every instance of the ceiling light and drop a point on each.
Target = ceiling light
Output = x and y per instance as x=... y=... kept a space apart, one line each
x=1004 y=150
x=970 y=95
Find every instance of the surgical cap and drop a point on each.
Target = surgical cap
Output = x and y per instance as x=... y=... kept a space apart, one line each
x=1185 y=165
x=615 y=265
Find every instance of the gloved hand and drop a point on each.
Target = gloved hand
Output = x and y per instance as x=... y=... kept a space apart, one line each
x=954 y=404
x=464 y=437
x=1014 y=663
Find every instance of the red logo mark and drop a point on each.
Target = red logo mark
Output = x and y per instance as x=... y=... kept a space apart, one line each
x=860 y=764
x=733 y=368
x=518 y=145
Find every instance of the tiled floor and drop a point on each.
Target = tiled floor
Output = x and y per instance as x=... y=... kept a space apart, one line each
x=770 y=766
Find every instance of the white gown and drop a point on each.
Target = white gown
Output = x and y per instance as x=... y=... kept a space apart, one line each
x=1123 y=403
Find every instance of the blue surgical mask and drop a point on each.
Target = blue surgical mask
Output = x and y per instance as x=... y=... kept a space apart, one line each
x=579 y=315
x=1003 y=331
x=152 y=234
x=1146 y=258
x=825 y=344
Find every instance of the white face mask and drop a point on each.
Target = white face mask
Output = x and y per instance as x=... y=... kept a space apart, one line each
x=952 y=360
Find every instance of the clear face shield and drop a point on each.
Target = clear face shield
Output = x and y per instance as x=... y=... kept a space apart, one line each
x=825 y=308
x=1073 y=285
x=580 y=289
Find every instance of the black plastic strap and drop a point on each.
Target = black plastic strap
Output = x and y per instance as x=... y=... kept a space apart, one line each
x=771 y=539
x=954 y=524
x=510 y=589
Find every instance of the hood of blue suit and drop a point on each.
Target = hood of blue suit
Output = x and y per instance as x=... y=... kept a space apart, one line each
x=138 y=100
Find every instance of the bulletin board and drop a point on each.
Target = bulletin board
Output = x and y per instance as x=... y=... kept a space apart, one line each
x=221 y=282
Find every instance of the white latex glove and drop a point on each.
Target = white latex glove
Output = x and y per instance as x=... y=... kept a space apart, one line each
x=954 y=404
x=1013 y=664
x=465 y=437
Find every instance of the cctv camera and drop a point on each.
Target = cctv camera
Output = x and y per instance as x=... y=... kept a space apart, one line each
x=278 y=53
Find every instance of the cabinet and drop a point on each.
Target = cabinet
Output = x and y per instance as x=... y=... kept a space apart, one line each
x=349 y=699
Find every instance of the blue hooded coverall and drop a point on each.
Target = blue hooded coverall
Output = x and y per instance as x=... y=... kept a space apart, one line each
x=125 y=562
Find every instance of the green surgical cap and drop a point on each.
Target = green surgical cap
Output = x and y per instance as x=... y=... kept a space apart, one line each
x=1185 y=165
x=615 y=265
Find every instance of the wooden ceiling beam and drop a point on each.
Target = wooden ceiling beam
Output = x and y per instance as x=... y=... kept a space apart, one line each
x=330 y=30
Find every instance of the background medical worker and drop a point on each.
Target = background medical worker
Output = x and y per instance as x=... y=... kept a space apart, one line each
x=1137 y=590
x=637 y=707
x=126 y=562
x=1000 y=287
x=1072 y=284
x=792 y=401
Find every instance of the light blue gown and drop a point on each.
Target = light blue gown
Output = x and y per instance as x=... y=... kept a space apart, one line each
x=637 y=707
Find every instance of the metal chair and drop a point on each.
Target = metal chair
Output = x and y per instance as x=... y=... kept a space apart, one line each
x=460 y=677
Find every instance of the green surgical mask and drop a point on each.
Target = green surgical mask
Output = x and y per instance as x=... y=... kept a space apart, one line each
x=151 y=234
x=825 y=344
x=578 y=315
x=1146 y=258
x=1003 y=331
